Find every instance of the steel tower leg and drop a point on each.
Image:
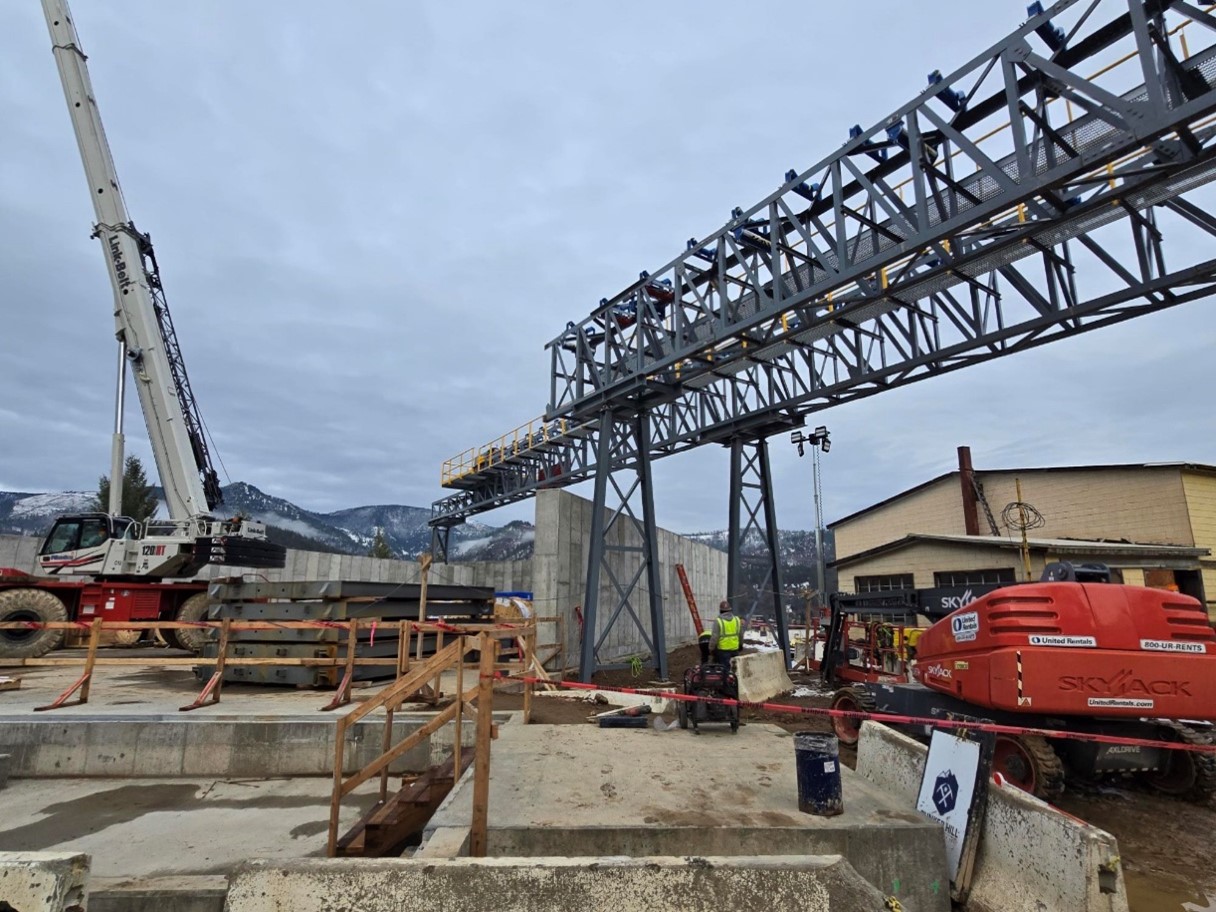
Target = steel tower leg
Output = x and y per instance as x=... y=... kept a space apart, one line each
x=626 y=553
x=650 y=538
x=595 y=556
x=753 y=514
x=440 y=537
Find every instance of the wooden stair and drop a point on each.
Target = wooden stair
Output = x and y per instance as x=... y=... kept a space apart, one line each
x=385 y=829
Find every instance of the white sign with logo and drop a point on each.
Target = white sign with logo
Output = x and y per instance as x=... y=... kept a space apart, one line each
x=947 y=790
x=1039 y=639
x=965 y=627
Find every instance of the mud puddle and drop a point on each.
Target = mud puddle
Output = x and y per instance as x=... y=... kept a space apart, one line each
x=1165 y=846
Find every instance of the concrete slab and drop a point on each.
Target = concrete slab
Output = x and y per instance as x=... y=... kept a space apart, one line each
x=574 y=791
x=814 y=884
x=139 y=828
x=152 y=689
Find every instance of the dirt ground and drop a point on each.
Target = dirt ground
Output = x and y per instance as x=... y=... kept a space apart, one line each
x=1165 y=844
x=1169 y=861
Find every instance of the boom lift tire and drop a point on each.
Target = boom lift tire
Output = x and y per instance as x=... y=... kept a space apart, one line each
x=35 y=605
x=1190 y=774
x=1030 y=763
x=850 y=699
x=194 y=608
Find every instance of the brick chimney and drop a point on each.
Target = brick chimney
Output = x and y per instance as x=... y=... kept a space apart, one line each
x=966 y=477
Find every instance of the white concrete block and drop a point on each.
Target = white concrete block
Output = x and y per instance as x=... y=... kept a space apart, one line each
x=44 y=881
x=762 y=676
x=1031 y=856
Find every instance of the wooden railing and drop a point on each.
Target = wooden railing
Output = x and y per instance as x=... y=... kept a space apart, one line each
x=474 y=702
x=522 y=634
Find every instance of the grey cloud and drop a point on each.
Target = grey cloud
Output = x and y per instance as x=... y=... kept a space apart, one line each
x=369 y=224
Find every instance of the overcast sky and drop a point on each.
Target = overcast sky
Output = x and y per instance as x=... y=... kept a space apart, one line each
x=370 y=217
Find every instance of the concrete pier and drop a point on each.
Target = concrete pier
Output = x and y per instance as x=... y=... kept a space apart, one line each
x=588 y=792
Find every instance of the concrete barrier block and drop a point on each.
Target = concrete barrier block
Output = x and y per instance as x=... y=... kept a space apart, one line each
x=762 y=675
x=44 y=881
x=615 y=884
x=1031 y=855
x=6 y=762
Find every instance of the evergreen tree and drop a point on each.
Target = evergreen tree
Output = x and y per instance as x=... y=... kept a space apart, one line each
x=380 y=547
x=139 y=500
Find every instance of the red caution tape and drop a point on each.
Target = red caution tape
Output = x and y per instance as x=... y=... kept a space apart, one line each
x=891 y=718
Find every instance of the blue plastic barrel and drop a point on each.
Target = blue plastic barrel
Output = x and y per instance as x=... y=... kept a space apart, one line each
x=817 y=761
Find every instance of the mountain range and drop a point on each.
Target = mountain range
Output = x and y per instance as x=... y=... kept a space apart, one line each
x=405 y=529
x=349 y=531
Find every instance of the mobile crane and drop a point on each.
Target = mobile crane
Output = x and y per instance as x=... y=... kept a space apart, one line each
x=129 y=564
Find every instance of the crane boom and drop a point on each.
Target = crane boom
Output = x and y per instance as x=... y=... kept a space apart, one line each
x=141 y=313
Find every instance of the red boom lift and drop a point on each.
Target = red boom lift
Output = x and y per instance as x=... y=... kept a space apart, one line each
x=1071 y=653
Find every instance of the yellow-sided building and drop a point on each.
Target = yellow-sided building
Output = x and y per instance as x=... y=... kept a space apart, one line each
x=1152 y=524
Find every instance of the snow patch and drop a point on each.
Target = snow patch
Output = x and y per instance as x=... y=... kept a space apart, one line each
x=37 y=505
x=460 y=549
x=299 y=526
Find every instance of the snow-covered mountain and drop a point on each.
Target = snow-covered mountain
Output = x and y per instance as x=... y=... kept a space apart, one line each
x=349 y=531
x=26 y=514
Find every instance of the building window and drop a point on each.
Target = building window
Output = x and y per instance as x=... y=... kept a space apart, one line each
x=1000 y=577
x=882 y=583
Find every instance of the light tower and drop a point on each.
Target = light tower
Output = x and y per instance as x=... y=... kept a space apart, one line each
x=820 y=441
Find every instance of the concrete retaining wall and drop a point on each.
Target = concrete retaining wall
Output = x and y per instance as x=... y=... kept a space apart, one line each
x=588 y=884
x=1031 y=857
x=159 y=746
x=762 y=675
x=43 y=881
x=563 y=529
x=21 y=552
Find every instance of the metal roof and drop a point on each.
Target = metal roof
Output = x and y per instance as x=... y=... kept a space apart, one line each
x=1057 y=545
x=1203 y=468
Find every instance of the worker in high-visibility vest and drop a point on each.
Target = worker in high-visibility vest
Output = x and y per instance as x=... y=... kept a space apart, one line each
x=703 y=643
x=727 y=636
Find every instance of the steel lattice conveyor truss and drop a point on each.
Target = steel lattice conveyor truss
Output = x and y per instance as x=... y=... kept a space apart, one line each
x=1020 y=199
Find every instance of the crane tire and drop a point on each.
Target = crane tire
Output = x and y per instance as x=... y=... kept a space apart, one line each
x=195 y=608
x=38 y=606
